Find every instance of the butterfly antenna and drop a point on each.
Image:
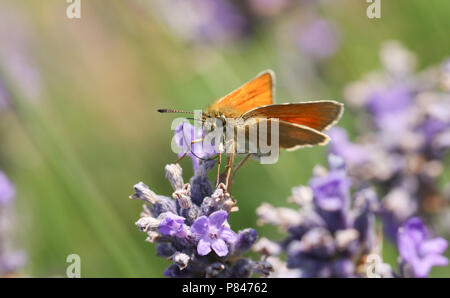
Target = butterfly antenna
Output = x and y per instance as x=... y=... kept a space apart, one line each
x=173 y=111
x=206 y=159
x=163 y=111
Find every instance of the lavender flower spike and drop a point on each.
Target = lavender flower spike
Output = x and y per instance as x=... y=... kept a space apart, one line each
x=418 y=253
x=188 y=226
x=213 y=234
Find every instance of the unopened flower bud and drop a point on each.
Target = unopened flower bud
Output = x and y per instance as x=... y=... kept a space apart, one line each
x=144 y=194
x=263 y=268
x=220 y=193
x=215 y=269
x=244 y=241
x=229 y=206
x=183 y=196
x=152 y=236
x=302 y=195
x=148 y=223
x=181 y=260
x=174 y=175
x=267 y=214
x=344 y=238
x=267 y=247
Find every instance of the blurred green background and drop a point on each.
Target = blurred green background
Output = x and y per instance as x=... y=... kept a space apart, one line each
x=76 y=152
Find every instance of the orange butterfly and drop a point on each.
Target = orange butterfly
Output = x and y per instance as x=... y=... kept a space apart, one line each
x=300 y=124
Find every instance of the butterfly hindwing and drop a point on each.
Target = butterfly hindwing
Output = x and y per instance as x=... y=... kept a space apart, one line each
x=294 y=136
x=318 y=115
x=290 y=136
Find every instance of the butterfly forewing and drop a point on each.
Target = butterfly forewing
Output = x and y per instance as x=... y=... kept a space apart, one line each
x=258 y=92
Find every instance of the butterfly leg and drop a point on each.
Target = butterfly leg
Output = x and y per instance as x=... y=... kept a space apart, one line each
x=189 y=150
x=229 y=166
x=219 y=159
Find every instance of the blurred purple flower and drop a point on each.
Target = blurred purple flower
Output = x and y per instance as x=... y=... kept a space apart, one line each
x=7 y=190
x=432 y=127
x=326 y=237
x=340 y=145
x=417 y=250
x=390 y=108
x=396 y=207
x=318 y=39
x=331 y=192
x=173 y=225
x=15 y=56
x=213 y=234
x=203 y=21
x=332 y=197
x=410 y=137
x=11 y=262
x=365 y=205
x=393 y=99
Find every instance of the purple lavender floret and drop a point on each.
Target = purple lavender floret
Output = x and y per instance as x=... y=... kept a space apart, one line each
x=213 y=234
x=318 y=38
x=173 y=225
x=194 y=233
x=202 y=21
x=419 y=253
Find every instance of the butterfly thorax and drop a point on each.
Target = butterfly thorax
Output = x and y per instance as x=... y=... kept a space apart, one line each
x=223 y=112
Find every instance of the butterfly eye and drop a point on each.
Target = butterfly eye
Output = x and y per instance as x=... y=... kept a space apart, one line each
x=223 y=119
